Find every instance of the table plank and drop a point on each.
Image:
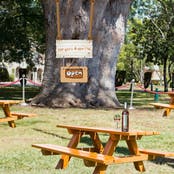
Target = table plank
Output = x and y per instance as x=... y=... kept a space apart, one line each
x=108 y=130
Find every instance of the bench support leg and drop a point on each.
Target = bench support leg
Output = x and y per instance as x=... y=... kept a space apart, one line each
x=166 y=112
x=133 y=148
x=108 y=150
x=6 y=110
x=98 y=147
x=63 y=162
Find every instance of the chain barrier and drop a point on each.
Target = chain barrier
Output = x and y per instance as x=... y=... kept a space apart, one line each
x=18 y=81
x=127 y=86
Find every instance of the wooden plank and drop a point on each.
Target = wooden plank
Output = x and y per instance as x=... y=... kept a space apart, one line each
x=22 y=114
x=162 y=105
x=157 y=153
x=6 y=119
x=72 y=128
x=2 y=102
x=131 y=158
x=91 y=156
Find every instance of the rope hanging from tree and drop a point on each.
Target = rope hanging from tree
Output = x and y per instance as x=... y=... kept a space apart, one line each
x=59 y=37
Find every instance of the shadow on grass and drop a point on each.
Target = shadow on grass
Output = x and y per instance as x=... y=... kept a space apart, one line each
x=164 y=161
x=119 y=149
x=49 y=133
x=29 y=122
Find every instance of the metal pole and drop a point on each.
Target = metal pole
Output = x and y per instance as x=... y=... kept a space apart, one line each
x=23 y=88
x=132 y=91
x=23 y=91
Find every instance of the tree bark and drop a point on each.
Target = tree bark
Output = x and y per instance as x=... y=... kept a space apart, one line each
x=108 y=34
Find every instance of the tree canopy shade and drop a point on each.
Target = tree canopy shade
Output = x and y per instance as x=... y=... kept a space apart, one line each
x=108 y=34
x=21 y=29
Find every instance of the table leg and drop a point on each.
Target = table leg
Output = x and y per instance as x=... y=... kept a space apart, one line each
x=7 y=113
x=166 y=112
x=108 y=150
x=133 y=148
x=64 y=160
x=98 y=147
x=96 y=142
x=171 y=99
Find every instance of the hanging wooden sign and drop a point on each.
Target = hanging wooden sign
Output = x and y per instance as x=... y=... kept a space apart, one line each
x=74 y=49
x=74 y=74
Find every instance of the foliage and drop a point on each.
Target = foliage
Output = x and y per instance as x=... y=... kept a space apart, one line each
x=4 y=76
x=22 y=29
x=150 y=36
x=156 y=36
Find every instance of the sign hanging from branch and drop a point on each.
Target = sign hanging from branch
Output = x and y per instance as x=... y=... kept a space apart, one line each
x=74 y=49
x=74 y=74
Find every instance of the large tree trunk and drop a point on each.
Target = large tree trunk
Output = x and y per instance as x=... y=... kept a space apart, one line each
x=108 y=35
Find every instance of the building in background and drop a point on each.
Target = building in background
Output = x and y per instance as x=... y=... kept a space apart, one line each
x=35 y=74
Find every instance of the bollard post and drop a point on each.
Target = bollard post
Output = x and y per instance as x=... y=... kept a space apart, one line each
x=132 y=91
x=156 y=96
x=151 y=86
x=23 y=91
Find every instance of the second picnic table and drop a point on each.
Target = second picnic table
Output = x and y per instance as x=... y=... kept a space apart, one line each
x=9 y=116
x=100 y=155
x=168 y=107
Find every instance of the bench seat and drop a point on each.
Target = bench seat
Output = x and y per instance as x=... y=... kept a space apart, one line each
x=91 y=156
x=153 y=153
x=162 y=105
x=167 y=108
x=6 y=119
x=21 y=115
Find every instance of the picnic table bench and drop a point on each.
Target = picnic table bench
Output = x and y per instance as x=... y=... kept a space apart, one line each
x=10 y=117
x=168 y=107
x=101 y=156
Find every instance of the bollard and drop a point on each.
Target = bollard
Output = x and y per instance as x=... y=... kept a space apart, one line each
x=151 y=86
x=23 y=91
x=156 y=96
x=132 y=91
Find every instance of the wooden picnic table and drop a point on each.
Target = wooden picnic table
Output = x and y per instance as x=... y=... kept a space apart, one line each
x=171 y=95
x=167 y=107
x=10 y=117
x=99 y=155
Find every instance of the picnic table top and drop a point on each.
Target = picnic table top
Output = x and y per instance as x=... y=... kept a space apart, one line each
x=170 y=92
x=108 y=130
x=10 y=101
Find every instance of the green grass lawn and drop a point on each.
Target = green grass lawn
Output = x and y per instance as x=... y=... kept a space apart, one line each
x=18 y=157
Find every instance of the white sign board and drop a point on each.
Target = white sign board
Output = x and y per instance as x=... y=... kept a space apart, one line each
x=74 y=49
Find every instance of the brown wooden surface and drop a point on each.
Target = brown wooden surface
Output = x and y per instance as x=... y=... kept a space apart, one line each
x=99 y=155
x=5 y=105
x=114 y=137
x=157 y=153
x=10 y=117
x=21 y=115
x=108 y=130
x=93 y=156
x=10 y=102
x=171 y=95
x=162 y=105
x=167 y=107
